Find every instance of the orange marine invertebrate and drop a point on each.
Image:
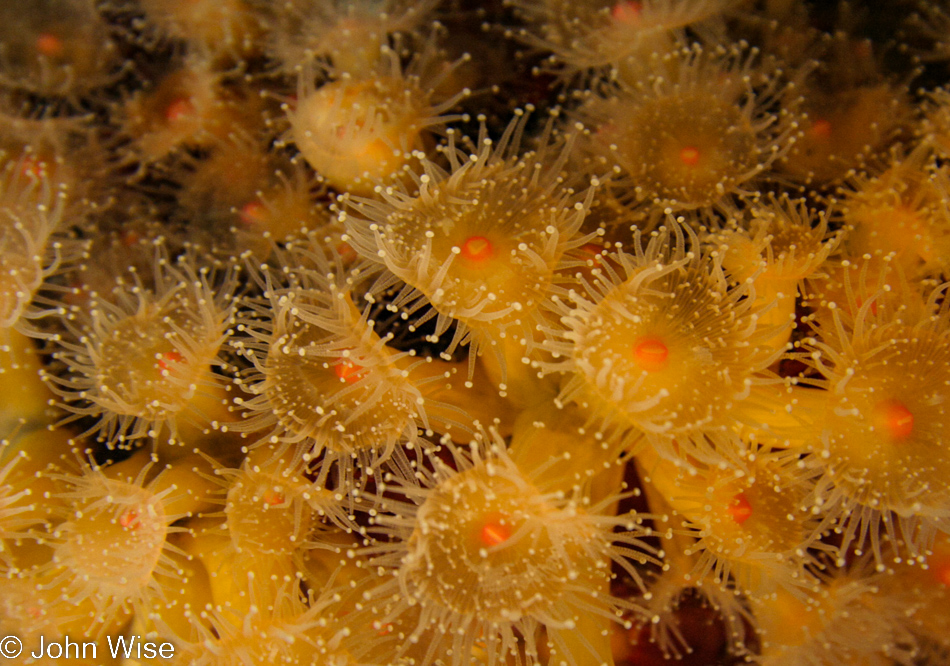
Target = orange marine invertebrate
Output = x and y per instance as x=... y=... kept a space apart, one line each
x=747 y=534
x=696 y=131
x=283 y=630
x=324 y=381
x=188 y=108
x=843 y=129
x=141 y=360
x=10 y=498
x=480 y=243
x=485 y=553
x=219 y=30
x=781 y=244
x=31 y=209
x=664 y=344
x=273 y=509
x=346 y=35
x=821 y=629
x=111 y=547
x=878 y=445
x=358 y=130
x=621 y=36
x=57 y=47
x=902 y=211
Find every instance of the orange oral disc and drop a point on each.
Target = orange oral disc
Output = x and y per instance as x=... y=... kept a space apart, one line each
x=494 y=533
x=346 y=251
x=627 y=11
x=179 y=109
x=941 y=571
x=740 y=510
x=49 y=45
x=32 y=167
x=651 y=354
x=689 y=156
x=820 y=129
x=273 y=498
x=893 y=417
x=477 y=249
x=129 y=520
x=166 y=360
x=252 y=213
x=347 y=372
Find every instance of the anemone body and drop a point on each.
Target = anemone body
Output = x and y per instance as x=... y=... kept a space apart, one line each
x=480 y=244
x=746 y=533
x=224 y=31
x=843 y=130
x=247 y=200
x=111 y=548
x=619 y=36
x=188 y=108
x=901 y=211
x=346 y=34
x=31 y=209
x=12 y=506
x=693 y=132
x=781 y=244
x=273 y=509
x=56 y=47
x=662 y=344
x=142 y=358
x=324 y=381
x=823 y=629
x=880 y=445
x=357 y=130
x=286 y=630
x=486 y=555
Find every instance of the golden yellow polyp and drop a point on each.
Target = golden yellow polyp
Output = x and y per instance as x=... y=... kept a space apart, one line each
x=357 y=132
x=141 y=368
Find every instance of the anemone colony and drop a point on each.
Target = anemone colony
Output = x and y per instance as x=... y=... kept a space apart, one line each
x=529 y=332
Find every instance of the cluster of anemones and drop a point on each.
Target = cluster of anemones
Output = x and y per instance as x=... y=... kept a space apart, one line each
x=333 y=344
